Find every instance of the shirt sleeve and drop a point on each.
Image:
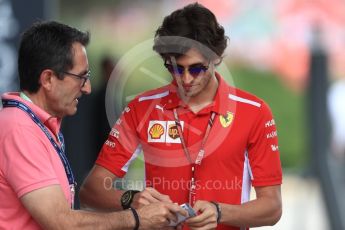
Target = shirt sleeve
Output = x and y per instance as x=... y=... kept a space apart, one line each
x=26 y=164
x=263 y=150
x=122 y=145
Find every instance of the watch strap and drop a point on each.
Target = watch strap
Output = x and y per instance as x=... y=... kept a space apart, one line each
x=136 y=218
x=219 y=210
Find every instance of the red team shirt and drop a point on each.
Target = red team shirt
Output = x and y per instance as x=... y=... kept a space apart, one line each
x=241 y=150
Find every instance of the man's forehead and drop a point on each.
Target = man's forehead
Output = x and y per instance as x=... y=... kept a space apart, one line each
x=192 y=56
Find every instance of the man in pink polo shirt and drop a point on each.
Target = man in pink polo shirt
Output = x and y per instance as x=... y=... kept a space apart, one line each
x=36 y=181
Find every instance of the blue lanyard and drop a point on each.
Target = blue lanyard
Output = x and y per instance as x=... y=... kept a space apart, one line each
x=60 y=151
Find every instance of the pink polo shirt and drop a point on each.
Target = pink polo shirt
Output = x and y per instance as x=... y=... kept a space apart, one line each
x=28 y=161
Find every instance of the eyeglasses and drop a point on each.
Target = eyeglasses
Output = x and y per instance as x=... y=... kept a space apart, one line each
x=194 y=70
x=83 y=77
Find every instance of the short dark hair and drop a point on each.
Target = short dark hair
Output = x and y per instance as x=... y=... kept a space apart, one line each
x=46 y=45
x=194 y=22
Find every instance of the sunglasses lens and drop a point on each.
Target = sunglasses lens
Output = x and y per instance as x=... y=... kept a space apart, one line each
x=178 y=70
x=195 y=71
x=174 y=70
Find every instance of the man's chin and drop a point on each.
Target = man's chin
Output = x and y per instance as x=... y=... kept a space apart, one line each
x=190 y=94
x=72 y=112
x=186 y=95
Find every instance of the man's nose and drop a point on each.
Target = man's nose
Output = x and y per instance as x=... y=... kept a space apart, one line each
x=86 y=89
x=186 y=77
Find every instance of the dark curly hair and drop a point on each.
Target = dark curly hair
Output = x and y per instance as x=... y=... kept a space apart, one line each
x=46 y=45
x=195 y=23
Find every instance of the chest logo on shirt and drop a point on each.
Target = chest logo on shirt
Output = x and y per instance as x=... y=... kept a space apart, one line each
x=173 y=131
x=156 y=131
x=163 y=132
x=226 y=120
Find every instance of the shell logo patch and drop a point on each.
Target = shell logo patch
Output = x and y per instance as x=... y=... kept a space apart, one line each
x=226 y=120
x=156 y=131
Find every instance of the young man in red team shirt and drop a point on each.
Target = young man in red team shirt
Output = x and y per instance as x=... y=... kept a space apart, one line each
x=204 y=142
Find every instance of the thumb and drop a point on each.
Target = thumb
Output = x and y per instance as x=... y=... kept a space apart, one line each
x=199 y=207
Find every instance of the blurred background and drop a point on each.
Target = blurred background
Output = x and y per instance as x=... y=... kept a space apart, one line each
x=288 y=52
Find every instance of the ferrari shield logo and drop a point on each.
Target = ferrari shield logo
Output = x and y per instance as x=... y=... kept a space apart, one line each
x=226 y=120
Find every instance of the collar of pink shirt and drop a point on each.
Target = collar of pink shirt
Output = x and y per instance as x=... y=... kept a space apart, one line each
x=52 y=123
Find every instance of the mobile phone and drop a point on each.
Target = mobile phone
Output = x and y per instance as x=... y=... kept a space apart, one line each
x=181 y=218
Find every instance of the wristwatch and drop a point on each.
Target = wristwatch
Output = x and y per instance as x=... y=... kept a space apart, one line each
x=127 y=198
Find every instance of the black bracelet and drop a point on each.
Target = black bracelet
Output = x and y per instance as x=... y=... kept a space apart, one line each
x=136 y=218
x=219 y=210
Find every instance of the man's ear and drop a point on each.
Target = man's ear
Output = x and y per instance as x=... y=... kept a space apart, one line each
x=217 y=61
x=47 y=79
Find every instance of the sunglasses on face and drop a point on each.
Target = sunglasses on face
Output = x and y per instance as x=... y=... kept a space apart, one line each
x=194 y=70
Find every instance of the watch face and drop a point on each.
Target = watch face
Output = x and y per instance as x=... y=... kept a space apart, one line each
x=126 y=197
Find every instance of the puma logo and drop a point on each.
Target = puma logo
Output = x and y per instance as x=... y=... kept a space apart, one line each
x=160 y=107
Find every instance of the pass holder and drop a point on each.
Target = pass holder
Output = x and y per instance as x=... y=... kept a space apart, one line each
x=181 y=218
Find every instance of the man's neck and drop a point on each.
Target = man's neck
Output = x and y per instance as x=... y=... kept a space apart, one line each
x=203 y=99
x=24 y=96
x=38 y=99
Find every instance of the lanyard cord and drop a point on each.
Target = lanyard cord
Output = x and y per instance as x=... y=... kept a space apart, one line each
x=200 y=155
x=60 y=150
x=185 y=149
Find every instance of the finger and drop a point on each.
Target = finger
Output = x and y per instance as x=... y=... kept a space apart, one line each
x=149 y=197
x=176 y=209
x=200 y=220
x=199 y=206
x=143 y=201
x=145 y=195
x=157 y=195
x=212 y=220
x=168 y=228
x=164 y=222
x=205 y=227
x=202 y=224
x=172 y=216
x=140 y=202
x=210 y=226
x=179 y=226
